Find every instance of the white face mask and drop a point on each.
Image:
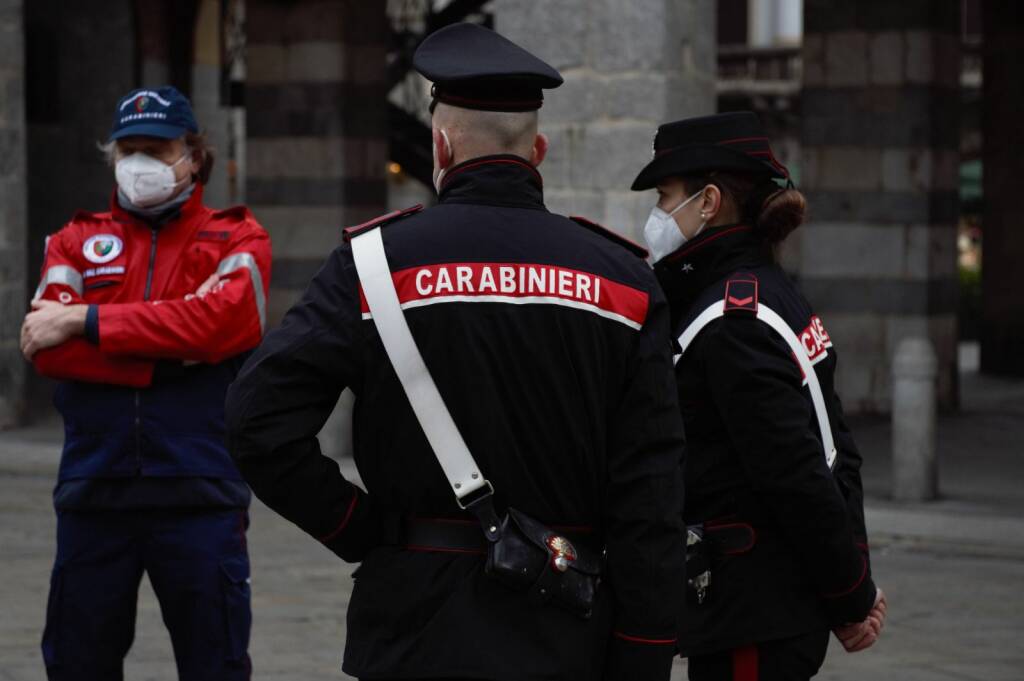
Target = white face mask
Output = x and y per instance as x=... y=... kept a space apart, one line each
x=661 y=232
x=147 y=181
x=451 y=154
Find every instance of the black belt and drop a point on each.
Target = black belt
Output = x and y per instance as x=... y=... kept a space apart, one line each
x=725 y=539
x=455 y=535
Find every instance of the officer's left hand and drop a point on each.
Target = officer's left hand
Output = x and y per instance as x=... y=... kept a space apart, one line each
x=858 y=636
x=50 y=323
x=862 y=635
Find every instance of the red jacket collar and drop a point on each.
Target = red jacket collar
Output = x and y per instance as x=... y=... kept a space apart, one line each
x=189 y=209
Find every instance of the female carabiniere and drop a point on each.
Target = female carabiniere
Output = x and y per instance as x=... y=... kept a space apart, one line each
x=777 y=554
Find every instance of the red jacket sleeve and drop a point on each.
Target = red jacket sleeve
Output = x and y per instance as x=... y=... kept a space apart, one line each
x=226 y=321
x=76 y=359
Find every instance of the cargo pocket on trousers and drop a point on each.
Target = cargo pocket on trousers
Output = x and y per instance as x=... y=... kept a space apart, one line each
x=237 y=610
x=51 y=632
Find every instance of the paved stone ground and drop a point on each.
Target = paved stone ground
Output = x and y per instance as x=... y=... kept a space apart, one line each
x=953 y=569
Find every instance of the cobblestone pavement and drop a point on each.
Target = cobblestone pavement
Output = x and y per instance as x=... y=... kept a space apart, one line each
x=300 y=589
x=953 y=569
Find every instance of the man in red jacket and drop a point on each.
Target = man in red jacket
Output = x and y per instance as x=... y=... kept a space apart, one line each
x=143 y=316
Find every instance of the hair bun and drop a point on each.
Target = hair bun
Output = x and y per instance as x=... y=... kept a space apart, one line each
x=781 y=213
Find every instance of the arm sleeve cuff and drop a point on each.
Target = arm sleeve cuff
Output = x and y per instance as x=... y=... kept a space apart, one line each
x=360 y=529
x=92 y=325
x=853 y=605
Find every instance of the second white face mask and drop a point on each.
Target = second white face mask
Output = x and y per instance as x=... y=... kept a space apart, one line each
x=661 y=232
x=146 y=181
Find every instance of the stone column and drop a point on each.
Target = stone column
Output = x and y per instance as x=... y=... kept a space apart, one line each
x=316 y=139
x=880 y=170
x=80 y=59
x=628 y=66
x=211 y=113
x=1002 y=327
x=316 y=129
x=13 y=211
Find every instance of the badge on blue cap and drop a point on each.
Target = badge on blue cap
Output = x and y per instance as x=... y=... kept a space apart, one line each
x=157 y=112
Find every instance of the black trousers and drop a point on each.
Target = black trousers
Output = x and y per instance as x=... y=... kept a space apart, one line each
x=790 y=659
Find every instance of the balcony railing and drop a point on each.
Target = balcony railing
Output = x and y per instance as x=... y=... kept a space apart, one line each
x=747 y=70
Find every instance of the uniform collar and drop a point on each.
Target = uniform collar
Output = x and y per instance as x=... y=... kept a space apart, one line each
x=499 y=180
x=185 y=212
x=712 y=256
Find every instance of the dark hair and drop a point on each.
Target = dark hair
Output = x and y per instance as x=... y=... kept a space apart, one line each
x=772 y=211
x=202 y=153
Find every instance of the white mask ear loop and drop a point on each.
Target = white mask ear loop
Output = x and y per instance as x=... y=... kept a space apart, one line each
x=683 y=204
x=704 y=215
x=187 y=178
x=451 y=154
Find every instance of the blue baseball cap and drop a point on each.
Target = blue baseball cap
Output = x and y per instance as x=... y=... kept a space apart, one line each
x=159 y=112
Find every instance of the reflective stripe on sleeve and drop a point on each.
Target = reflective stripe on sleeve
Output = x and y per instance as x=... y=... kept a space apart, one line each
x=60 y=274
x=246 y=260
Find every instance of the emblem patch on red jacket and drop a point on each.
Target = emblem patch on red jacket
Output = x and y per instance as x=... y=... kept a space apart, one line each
x=102 y=248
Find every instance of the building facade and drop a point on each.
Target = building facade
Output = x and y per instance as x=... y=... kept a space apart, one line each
x=319 y=122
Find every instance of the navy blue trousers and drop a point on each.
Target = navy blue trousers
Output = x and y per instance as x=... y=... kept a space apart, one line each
x=199 y=569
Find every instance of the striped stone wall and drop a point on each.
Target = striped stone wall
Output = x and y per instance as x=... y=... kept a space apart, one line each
x=70 y=95
x=316 y=129
x=13 y=211
x=628 y=66
x=880 y=140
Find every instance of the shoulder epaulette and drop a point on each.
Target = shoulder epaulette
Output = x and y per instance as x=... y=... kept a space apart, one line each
x=741 y=295
x=236 y=212
x=354 y=231
x=631 y=246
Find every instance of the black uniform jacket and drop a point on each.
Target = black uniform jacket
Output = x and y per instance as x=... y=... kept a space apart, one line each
x=550 y=344
x=755 y=456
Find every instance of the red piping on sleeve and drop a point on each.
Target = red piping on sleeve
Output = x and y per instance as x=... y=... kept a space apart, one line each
x=344 y=521
x=863 y=574
x=647 y=641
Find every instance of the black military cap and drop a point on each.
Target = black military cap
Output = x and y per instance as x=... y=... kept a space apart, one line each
x=728 y=141
x=475 y=68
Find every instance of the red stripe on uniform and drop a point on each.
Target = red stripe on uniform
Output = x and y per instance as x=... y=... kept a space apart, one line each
x=344 y=521
x=847 y=592
x=647 y=641
x=744 y=664
x=518 y=283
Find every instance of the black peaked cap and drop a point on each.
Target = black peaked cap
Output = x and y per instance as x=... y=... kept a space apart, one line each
x=732 y=141
x=475 y=68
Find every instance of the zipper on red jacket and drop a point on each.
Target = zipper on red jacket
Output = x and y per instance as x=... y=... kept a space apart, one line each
x=138 y=393
x=152 y=264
